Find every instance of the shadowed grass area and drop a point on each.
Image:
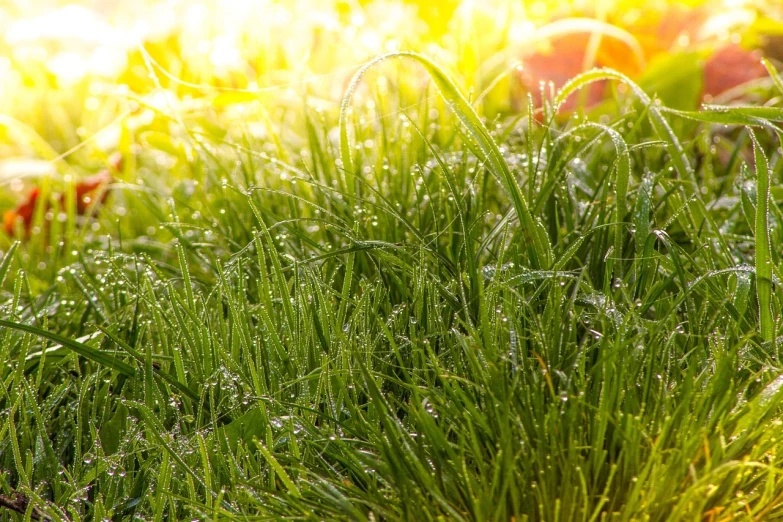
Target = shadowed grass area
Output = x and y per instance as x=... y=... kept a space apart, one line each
x=403 y=311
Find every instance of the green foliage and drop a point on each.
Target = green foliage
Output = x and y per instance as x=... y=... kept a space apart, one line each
x=418 y=317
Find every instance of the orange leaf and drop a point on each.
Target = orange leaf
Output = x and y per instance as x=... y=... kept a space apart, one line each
x=89 y=191
x=562 y=61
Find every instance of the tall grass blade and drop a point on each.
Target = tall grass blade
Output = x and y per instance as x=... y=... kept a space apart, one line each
x=763 y=251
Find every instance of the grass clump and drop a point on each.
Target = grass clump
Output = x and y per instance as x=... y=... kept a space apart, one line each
x=417 y=317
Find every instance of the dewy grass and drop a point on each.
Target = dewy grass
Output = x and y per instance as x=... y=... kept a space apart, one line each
x=427 y=316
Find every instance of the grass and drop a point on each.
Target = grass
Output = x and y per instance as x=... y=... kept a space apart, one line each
x=407 y=311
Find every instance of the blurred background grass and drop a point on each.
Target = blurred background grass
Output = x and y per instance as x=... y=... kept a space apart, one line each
x=81 y=75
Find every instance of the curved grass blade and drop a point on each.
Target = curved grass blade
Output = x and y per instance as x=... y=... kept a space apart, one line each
x=88 y=352
x=659 y=123
x=55 y=352
x=763 y=254
x=622 y=171
x=539 y=247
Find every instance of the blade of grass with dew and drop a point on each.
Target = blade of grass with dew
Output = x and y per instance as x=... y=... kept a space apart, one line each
x=774 y=74
x=763 y=251
x=82 y=349
x=754 y=116
x=622 y=178
x=541 y=250
x=659 y=123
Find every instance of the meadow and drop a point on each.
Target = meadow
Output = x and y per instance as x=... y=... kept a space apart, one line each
x=400 y=287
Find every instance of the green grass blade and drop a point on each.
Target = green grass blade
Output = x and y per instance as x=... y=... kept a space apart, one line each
x=6 y=263
x=774 y=74
x=622 y=178
x=158 y=373
x=763 y=251
x=88 y=352
x=535 y=235
x=720 y=115
x=659 y=123
x=279 y=470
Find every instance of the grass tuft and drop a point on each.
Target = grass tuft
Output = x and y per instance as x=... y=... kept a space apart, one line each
x=406 y=310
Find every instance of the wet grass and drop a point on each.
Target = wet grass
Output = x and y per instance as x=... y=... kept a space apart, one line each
x=404 y=311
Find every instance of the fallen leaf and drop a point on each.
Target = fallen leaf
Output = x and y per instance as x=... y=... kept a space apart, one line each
x=662 y=33
x=562 y=60
x=729 y=67
x=90 y=191
x=23 y=212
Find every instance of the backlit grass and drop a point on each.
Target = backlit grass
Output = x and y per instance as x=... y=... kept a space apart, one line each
x=399 y=309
